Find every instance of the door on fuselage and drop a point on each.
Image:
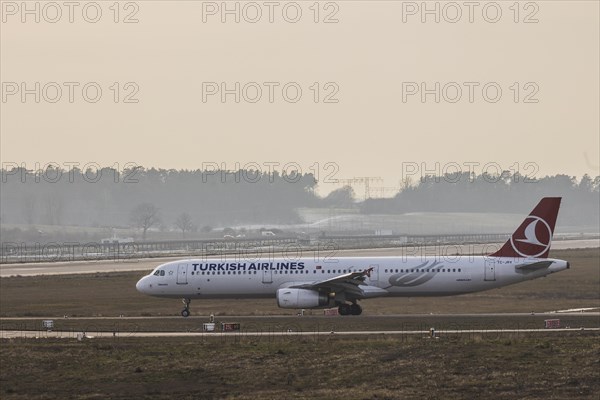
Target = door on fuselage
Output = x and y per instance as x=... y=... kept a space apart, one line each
x=490 y=270
x=374 y=274
x=267 y=276
x=182 y=274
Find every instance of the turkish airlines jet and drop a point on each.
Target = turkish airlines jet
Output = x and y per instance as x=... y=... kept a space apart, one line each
x=343 y=281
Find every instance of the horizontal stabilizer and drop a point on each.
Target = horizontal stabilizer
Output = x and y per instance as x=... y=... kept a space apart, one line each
x=534 y=266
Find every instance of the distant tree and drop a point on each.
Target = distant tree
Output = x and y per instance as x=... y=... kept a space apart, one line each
x=342 y=197
x=586 y=184
x=144 y=216
x=596 y=185
x=28 y=206
x=184 y=223
x=206 y=229
x=53 y=208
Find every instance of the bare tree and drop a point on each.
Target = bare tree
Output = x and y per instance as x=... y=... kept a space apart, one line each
x=184 y=223
x=144 y=216
x=28 y=205
x=53 y=208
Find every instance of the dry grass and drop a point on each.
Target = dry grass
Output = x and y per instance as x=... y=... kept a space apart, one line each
x=304 y=368
x=499 y=366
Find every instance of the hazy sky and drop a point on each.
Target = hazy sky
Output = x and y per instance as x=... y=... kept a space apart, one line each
x=361 y=77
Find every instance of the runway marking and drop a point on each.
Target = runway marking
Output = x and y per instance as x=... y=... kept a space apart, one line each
x=108 y=334
x=578 y=310
x=205 y=318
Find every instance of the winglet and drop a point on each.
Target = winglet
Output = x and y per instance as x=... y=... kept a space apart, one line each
x=534 y=236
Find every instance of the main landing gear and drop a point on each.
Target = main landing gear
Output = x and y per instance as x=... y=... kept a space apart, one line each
x=349 y=309
x=186 y=311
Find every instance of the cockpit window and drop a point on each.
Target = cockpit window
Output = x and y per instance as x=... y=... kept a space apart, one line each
x=162 y=272
x=159 y=272
x=156 y=273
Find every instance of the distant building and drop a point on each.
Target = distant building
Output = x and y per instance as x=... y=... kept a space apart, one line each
x=117 y=240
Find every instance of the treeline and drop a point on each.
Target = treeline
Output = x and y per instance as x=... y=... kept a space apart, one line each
x=505 y=193
x=108 y=197
x=197 y=199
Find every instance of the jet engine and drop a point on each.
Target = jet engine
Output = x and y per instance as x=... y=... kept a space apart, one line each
x=301 y=298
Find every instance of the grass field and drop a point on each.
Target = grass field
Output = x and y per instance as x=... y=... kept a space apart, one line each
x=468 y=366
x=540 y=367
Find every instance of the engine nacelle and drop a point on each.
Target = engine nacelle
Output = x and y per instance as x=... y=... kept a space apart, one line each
x=301 y=298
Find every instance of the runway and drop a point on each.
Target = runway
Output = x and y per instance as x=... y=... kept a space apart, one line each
x=147 y=264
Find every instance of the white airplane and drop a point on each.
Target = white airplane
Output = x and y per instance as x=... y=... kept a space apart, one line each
x=342 y=282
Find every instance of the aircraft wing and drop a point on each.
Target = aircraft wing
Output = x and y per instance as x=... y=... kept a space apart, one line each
x=348 y=283
x=534 y=266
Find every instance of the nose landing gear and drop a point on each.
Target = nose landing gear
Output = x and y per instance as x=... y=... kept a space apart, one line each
x=186 y=311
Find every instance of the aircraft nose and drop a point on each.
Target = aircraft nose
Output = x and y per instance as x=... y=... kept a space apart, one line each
x=141 y=286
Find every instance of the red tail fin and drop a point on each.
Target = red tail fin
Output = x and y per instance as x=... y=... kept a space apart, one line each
x=533 y=237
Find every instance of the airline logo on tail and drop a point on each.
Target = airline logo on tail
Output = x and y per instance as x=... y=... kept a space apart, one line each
x=534 y=235
x=534 y=240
